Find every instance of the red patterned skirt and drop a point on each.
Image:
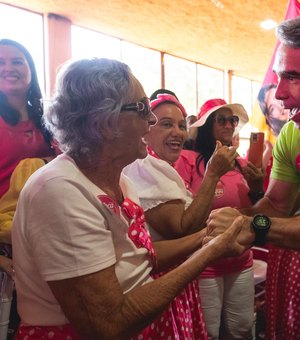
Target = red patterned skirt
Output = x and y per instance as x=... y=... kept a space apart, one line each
x=65 y=332
x=182 y=320
x=283 y=294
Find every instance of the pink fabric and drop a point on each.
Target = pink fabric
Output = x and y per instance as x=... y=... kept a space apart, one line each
x=163 y=97
x=137 y=232
x=151 y=152
x=64 y=332
x=210 y=104
x=183 y=319
x=17 y=142
x=283 y=294
x=232 y=190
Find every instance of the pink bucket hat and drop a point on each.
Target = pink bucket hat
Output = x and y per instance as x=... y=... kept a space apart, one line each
x=213 y=105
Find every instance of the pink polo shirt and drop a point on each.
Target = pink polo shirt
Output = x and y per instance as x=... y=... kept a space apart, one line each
x=231 y=191
x=18 y=142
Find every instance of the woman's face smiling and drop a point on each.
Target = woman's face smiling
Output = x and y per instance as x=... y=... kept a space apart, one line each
x=15 y=74
x=166 y=138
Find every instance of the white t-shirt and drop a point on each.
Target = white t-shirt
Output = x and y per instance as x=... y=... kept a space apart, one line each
x=157 y=182
x=62 y=230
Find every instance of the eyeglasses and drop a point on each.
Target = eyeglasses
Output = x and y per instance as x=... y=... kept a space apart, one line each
x=142 y=107
x=222 y=121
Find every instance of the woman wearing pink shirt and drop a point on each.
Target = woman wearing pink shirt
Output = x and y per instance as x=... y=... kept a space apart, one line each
x=21 y=132
x=226 y=288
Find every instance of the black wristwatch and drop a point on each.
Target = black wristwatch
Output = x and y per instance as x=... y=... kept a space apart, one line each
x=261 y=225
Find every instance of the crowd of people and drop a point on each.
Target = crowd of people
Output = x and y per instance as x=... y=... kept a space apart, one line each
x=122 y=217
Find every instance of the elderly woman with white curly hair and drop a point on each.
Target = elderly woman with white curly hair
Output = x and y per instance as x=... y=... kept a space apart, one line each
x=83 y=257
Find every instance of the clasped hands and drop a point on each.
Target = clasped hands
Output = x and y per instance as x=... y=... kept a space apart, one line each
x=230 y=230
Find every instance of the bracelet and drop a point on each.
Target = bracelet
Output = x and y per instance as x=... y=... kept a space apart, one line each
x=255 y=195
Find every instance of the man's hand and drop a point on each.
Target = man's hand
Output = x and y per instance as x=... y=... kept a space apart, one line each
x=220 y=220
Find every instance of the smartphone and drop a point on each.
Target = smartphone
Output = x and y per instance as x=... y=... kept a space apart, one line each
x=256 y=148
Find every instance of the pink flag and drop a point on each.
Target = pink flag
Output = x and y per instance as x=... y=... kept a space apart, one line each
x=268 y=115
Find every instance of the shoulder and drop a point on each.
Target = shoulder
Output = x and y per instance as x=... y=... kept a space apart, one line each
x=288 y=131
x=187 y=156
x=149 y=167
x=288 y=137
x=51 y=178
x=29 y=165
x=155 y=179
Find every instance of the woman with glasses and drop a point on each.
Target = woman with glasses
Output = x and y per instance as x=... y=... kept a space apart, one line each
x=82 y=255
x=226 y=288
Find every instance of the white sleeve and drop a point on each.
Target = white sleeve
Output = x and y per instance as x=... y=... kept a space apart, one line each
x=156 y=182
x=67 y=230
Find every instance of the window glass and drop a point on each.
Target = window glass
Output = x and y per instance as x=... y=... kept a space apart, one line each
x=87 y=44
x=145 y=65
x=210 y=84
x=242 y=94
x=180 y=77
x=28 y=32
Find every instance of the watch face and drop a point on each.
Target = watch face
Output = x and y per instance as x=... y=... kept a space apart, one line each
x=261 y=222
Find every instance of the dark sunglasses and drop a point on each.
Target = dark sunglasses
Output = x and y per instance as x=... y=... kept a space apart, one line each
x=222 y=121
x=142 y=107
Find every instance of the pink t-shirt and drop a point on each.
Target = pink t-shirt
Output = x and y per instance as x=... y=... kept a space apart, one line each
x=231 y=191
x=18 y=142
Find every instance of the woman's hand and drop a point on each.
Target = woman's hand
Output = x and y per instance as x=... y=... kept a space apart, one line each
x=222 y=160
x=228 y=243
x=254 y=177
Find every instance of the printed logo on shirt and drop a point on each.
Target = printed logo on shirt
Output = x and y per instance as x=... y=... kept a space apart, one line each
x=109 y=203
x=298 y=162
x=219 y=192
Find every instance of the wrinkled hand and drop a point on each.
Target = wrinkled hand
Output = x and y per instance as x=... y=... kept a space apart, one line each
x=254 y=177
x=228 y=243
x=6 y=264
x=222 y=160
x=220 y=220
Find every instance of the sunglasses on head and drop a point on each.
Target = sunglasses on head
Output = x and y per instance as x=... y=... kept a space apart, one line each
x=142 y=107
x=222 y=121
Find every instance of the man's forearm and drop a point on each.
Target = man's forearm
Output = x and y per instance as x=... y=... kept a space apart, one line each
x=285 y=232
x=264 y=206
